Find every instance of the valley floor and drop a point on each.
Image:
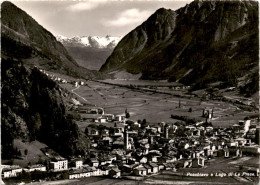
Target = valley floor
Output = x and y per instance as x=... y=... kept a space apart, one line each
x=155 y=107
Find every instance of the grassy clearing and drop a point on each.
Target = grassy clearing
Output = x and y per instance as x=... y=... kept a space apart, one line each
x=247 y=162
x=33 y=155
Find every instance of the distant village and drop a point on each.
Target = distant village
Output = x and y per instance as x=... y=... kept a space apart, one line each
x=135 y=148
x=76 y=83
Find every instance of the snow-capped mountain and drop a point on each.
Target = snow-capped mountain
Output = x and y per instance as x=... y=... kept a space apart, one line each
x=89 y=41
x=90 y=52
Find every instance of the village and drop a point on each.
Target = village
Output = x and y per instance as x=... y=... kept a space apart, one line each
x=135 y=149
x=138 y=149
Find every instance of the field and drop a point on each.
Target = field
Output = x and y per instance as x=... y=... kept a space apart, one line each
x=247 y=162
x=33 y=152
x=142 y=83
x=152 y=106
x=217 y=167
x=102 y=181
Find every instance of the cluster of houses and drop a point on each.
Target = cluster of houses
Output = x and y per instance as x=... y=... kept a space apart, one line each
x=136 y=148
x=62 y=80
x=144 y=147
x=176 y=87
x=97 y=115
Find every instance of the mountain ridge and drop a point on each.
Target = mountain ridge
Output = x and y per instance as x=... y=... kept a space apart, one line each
x=89 y=51
x=25 y=39
x=89 y=41
x=192 y=45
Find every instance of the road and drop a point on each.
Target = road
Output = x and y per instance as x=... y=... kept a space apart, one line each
x=79 y=95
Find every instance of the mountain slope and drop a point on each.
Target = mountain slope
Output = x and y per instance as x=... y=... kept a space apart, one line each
x=33 y=109
x=88 y=57
x=90 y=52
x=203 y=42
x=24 y=39
x=32 y=105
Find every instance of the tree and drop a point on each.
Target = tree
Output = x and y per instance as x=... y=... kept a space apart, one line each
x=25 y=176
x=73 y=115
x=86 y=130
x=144 y=124
x=40 y=160
x=65 y=175
x=180 y=131
x=19 y=153
x=127 y=115
x=25 y=152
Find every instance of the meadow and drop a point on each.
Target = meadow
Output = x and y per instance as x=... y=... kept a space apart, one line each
x=30 y=152
x=142 y=83
x=156 y=107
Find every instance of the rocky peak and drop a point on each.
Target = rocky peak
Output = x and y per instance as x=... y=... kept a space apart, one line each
x=162 y=21
x=177 y=45
x=89 y=41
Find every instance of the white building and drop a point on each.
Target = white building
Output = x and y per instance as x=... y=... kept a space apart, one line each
x=79 y=174
x=247 y=125
x=120 y=118
x=76 y=84
x=77 y=163
x=108 y=117
x=155 y=168
x=59 y=164
x=37 y=167
x=102 y=120
x=11 y=171
x=140 y=171
x=119 y=131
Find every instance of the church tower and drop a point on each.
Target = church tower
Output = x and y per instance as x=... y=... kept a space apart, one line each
x=126 y=141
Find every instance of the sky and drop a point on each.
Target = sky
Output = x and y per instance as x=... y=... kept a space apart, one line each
x=94 y=17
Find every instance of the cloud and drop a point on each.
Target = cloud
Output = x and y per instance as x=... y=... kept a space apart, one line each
x=87 y=5
x=128 y=17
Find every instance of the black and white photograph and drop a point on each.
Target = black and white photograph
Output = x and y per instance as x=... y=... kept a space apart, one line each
x=130 y=92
